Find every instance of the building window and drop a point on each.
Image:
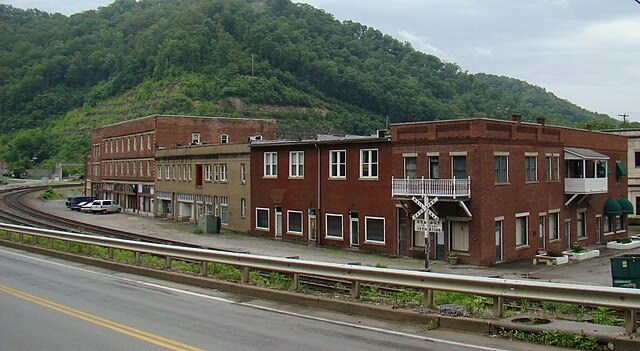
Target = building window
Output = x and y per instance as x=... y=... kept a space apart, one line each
x=195 y=138
x=128 y=144
x=296 y=164
x=128 y=167
x=410 y=168
x=459 y=167
x=369 y=163
x=619 y=223
x=224 y=210
x=224 y=138
x=148 y=168
x=173 y=172
x=531 y=168
x=581 y=225
x=179 y=172
x=522 y=230
x=223 y=172
x=135 y=144
x=554 y=228
x=243 y=173
x=294 y=222
x=338 y=166
x=189 y=172
x=207 y=173
x=374 y=229
x=149 y=142
x=262 y=218
x=501 y=174
x=135 y=172
x=243 y=208
x=270 y=164
x=334 y=226
x=637 y=158
x=434 y=167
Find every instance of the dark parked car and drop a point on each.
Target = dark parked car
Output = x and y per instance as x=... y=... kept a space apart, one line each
x=74 y=201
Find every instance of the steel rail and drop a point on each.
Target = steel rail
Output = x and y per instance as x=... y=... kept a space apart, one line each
x=624 y=299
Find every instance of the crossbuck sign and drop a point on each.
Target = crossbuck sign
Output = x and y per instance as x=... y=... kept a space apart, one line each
x=431 y=225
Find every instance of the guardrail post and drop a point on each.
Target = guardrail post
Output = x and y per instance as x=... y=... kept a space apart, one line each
x=203 y=268
x=630 y=322
x=245 y=275
x=498 y=303
x=50 y=244
x=428 y=298
x=355 y=289
x=87 y=249
x=67 y=246
x=295 y=282
x=137 y=257
x=167 y=262
x=110 y=253
x=21 y=237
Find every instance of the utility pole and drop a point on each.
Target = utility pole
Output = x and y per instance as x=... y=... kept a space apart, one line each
x=624 y=117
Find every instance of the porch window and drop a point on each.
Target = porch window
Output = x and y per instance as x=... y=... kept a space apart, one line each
x=262 y=218
x=434 y=167
x=459 y=167
x=410 y=168
x=374 y=229
x=294 y=222
x=334 y=226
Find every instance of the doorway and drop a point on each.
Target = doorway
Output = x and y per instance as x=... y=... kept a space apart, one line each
x=278 y=222
x=499 y=257
x=312 y=224
x=354 y=228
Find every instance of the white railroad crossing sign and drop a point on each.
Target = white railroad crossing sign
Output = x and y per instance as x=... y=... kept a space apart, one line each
x=434 y=224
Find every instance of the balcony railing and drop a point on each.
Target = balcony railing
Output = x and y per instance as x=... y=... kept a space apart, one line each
x=585 y=185
x=444 y=188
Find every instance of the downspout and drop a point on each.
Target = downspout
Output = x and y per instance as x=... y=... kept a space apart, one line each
x=318 y=217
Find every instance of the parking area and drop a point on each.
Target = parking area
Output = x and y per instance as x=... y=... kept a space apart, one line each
x=595 y=271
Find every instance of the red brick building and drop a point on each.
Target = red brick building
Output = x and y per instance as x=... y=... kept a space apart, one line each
x=506 y=189
x=121 y=162
x=332 y=191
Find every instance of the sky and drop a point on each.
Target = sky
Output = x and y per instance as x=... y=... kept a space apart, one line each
x=585 y=51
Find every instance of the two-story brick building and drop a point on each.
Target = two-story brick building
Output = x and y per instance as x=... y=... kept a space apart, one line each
x=331 y=191
x=121 y=163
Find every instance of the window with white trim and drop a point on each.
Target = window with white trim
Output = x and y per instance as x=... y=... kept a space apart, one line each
x=338 y=164
x=195 y=138
x=296 y=164
x=501 y=169
x=522 y=230
x=271 y=164
x=581 y=224
x=223 y=172
x=216 y=174
x=243 y=173
x=243 y=208
x=207 y=173
x=369 y=163
x=224 y=138
x=374 y=229
x=531 y=168
x=333 y=227
x=262 y=218
x=294 y=222
x=554 y=226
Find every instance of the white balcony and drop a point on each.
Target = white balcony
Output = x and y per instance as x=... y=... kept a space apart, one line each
x=585 y=185
x=442 y=188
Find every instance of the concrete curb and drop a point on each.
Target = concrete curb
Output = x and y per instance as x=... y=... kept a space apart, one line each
x=461 y=324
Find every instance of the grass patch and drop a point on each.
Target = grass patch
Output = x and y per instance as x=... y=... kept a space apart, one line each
x=555 y=338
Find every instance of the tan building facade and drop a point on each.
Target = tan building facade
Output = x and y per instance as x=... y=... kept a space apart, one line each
x=205 y=179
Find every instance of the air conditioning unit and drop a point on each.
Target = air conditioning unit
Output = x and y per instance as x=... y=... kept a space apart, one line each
x=255 y=138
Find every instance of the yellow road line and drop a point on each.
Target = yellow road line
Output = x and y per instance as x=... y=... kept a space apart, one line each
x=136 y=333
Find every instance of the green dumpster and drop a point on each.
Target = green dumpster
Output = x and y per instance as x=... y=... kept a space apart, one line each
x=209 y=223
x=625 y=271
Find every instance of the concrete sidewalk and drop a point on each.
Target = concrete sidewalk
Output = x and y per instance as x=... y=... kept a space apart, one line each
x=591 y=272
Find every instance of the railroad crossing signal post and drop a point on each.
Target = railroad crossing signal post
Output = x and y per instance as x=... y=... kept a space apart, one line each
x=425 y=224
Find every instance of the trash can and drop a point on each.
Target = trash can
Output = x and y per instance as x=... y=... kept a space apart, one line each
x=625 y=271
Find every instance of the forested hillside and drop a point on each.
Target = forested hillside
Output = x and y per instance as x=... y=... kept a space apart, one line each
x=62 y=76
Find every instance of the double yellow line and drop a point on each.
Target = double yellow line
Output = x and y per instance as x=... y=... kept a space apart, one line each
x=136 y=333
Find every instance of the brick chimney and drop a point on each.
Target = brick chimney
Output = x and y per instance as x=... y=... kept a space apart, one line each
x=540 y=121
x=589 y=127
x=516 y=118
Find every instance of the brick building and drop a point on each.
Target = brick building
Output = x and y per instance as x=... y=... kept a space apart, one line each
x=205 y=179
x=331 y=191
x=121 y=163
x=506 y=189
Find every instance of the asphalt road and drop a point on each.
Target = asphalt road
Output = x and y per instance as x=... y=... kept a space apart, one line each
x=53 y=305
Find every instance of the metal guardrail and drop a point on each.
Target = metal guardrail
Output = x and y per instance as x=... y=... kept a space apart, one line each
x=627 y=300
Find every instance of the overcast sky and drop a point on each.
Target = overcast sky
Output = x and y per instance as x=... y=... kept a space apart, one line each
x=585 y=51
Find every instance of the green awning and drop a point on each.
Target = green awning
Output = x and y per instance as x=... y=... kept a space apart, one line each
x=612 y=208
x=620 y=170
x=625 y=206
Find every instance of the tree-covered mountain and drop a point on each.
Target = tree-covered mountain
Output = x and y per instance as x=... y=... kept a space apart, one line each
x=62 y=76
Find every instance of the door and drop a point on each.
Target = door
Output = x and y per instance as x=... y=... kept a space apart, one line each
x=598 y=230
x=567 y=234
x=440 y=245
x=541 y=230
x=402 y=231
x=459 y=236
x=278 y=222
x=499 y=241
x=313 y=228
x=354 y=228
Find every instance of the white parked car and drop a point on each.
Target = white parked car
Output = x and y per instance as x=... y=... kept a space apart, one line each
x=105 y=206
x=86 y=207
